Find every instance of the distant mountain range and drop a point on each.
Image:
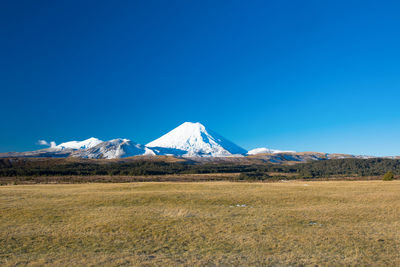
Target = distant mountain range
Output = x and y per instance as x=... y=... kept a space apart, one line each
x=190 y=140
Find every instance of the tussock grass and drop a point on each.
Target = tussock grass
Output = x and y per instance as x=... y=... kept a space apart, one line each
x=292 y=223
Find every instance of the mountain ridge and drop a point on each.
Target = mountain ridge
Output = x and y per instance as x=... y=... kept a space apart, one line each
x=188 y=140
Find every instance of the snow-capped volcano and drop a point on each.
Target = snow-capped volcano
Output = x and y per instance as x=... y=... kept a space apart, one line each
x=194 y=140
x=113 y=149
x=88 y=143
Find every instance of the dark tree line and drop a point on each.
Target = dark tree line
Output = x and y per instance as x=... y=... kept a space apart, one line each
x=316 y=169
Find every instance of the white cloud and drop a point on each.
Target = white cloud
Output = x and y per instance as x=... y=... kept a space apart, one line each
x=45 y=143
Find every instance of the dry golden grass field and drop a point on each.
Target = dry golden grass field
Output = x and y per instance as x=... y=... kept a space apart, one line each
x=352 y=223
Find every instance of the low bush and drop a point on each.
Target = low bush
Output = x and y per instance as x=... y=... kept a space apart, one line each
x=388 y=176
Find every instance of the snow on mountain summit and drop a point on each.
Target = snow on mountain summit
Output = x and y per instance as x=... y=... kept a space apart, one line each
x=264 y=150
x=113 y=149
x=193 y=140
x=88 y=143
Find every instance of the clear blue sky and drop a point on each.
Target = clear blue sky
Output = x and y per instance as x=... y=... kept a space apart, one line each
x=301 y=75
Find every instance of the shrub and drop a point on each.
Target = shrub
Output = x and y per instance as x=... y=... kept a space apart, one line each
x=388 y=176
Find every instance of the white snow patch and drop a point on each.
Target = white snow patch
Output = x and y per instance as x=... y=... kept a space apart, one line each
x=264 y=150
x=88 y=143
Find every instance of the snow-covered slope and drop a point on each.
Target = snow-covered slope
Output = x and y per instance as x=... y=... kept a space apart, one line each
x=88 y=143
x=194 y=140
x=113 y=149
x=264 y=150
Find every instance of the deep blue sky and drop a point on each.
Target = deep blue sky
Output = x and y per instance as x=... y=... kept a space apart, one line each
x=301 y=75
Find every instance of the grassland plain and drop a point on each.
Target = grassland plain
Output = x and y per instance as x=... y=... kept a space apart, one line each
x=201 y=224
